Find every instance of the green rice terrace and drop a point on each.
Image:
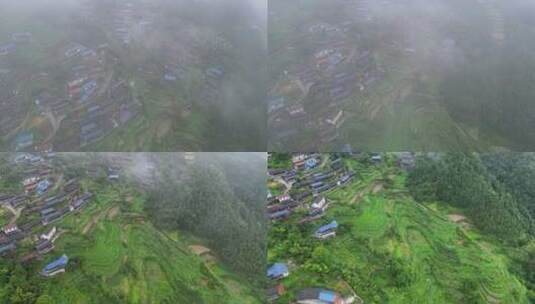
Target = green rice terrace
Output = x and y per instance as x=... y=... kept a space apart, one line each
x=113 y=252
x=365 y=239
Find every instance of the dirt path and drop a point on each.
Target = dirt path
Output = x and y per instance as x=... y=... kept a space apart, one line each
x=113 y=212
x=358 y=300
x=324 y=162
x=16 y=213
x=58 y=234
x=287 y=186
x=94 y=220
x=456 y=217
x=377 y=187
x=58 y=183
x=356 y=197
x=374 y=187
x=106 y=85
x=55 y=123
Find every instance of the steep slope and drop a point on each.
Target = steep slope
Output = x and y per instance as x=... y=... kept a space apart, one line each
x=116 y=255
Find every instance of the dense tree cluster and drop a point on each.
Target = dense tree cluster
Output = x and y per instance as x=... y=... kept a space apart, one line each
x=210 y=203
x=463 y=180
x=516 y=173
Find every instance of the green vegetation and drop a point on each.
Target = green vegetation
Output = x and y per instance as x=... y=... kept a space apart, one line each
x=495 y=190
x=279 y=161
x=392 y=248
x=463 y=181
x=230 y=219
x=117 y=255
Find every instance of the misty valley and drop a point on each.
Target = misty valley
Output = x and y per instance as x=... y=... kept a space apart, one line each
x=136 y=75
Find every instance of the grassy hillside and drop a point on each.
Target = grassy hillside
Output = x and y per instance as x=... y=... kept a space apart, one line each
x=391 y=249
x=117 y=256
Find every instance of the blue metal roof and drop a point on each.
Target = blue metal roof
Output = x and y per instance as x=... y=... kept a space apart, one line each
x=43 y=186
x=316 y=184
x=61 y=262
x=44 y=183
x=345 y=177
x=327 y=296
x=280 y=213
x=332 y=225
x=8 y=247
x=277 y=269
x=311 y=163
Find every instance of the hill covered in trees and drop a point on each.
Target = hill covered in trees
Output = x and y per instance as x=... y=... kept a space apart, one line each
x=219 y=199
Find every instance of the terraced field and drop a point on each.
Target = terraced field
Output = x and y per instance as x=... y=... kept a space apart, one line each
x=117 y=256
x=391 y=249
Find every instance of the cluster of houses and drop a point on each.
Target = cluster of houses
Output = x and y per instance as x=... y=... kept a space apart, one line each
x=337 y=69
x=8 y=239
x=16 y=40
x=88 y=75
x=306 y=176
x=37 y=208
x=174 y=72
x=95 y=102
x=99 y=100
x=210 y=92
x=38 y=174
x=279 y=271
x=96 y=99
x=307 y=179
x=305 y=173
